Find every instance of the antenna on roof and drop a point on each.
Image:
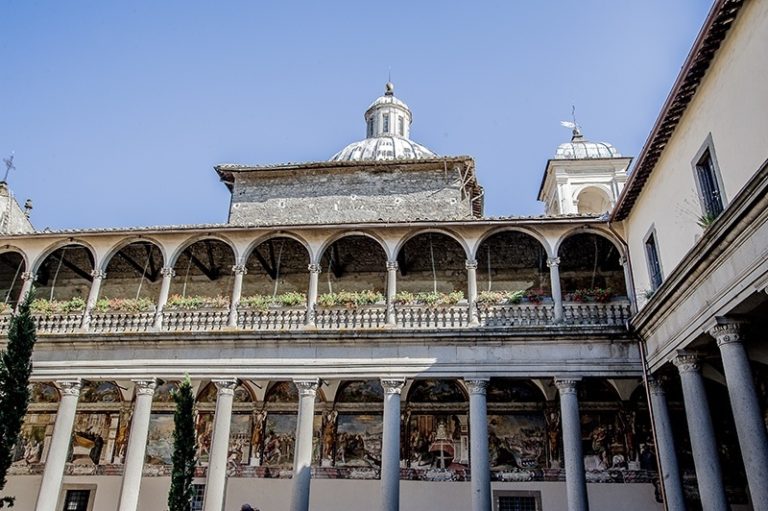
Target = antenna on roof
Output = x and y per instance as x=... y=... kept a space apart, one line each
x=8 y=166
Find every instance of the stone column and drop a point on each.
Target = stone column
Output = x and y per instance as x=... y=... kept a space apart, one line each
x=705 y=454
x=746 y=408
x=390 y=444
x=665 y=447
x=479 y=464
x=302 y=458
x=53 y=474
x=240 y=270
x=314 y=277
x=165 y=287
x=624 y=261
x=575 y=479
x=554 y=280
x=28 y=278
x=137 y=445
x=216 y=481
x=93 y=296
x=392 y=267
x=471 y=266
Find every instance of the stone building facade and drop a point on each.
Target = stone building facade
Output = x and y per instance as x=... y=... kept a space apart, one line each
x=360 y=336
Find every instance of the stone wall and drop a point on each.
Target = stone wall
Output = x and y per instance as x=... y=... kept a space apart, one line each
x=351 y=195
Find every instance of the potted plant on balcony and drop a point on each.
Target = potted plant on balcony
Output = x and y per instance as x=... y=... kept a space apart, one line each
x=43 y=307
x=429 y=299
x=350 y=299
x=500 y=297
x=535 y=296
x=179 y=302
x=290 y=299
x=124 y=305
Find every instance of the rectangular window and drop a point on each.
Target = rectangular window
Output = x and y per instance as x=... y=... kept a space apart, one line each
x=516 y=501
x=370 y=128
x=709 y=186
x=198 y=492
x=400 y=125
x=386 y=123
x=654 y=265
x=77 y=500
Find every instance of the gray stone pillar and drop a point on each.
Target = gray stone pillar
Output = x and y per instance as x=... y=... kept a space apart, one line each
x=93 y=296
x=575 y=479
x=479 y=464
x=28 y=278
x=302 y=459
x=557 y=293
x=390 y=444
x=391 y=291
x=471 y=266
x=137 y=445
x=165 y=288
x=314 y=277
x=665 y=447
x=746 y=409
x=216 y=481
x=705 y=454
x=53 y=474
x=240 y=270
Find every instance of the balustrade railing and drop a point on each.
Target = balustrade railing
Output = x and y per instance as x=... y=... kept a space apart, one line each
x=515 y=315
x=597 y=314
x=332 y=318
x=194 y=320
x=425 y=316
x=271 y=319
x=614 y=313
x=108 y=322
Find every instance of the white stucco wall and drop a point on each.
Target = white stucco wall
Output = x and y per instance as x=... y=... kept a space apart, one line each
x=732 y=105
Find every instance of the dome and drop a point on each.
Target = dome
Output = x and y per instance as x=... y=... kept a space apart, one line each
x=580 y=148
x=388 y=129
x=383 y=148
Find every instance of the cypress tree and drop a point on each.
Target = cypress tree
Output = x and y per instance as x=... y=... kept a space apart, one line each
x=180 y=495
x=15 y=368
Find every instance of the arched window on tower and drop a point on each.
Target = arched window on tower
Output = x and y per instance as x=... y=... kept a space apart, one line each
x=385 y=118
x=400 y=125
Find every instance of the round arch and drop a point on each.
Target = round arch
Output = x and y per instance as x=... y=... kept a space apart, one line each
x=588 y=229
x=13 y=249
x=174 y=258
x=347 y=234
x=117 y=247
x=40 y=259
x=592 y=200
x=523 y=230
x=248 y=252
x=13 y=264
x=408 y=237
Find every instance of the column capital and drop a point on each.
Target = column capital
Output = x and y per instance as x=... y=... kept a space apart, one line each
x=145 y=387
x=167 y=271
x=314 y=268
x=306 y=387
x=226 y=386
x=29 y=275
x=392 y=385
x=553 y=262
x=656 y=386
x=727 y=331
x=470 y=264
x=392 y=266
x=98 y=274
x=476 y=385
x=567 y=385
x=70 y=387
x=239 y=269
x=687 y=362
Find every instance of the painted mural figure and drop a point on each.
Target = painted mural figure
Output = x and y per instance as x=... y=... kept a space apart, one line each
x=257 y=434
x=329 y=434
x=553 y=435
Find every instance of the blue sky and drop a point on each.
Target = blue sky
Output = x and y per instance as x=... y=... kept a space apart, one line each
x=117 y=111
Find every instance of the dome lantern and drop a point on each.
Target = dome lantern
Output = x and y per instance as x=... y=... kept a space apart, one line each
x=388 y=129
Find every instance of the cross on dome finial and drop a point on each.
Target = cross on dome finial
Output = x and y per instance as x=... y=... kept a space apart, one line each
x=390 y=89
